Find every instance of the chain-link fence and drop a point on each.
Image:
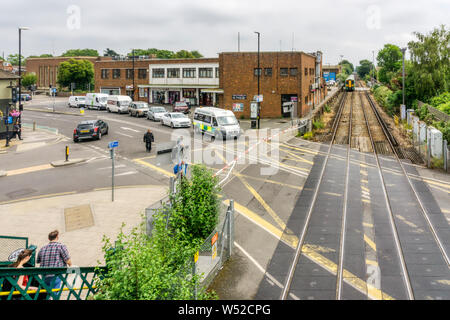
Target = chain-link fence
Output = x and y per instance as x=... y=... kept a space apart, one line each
x=10 y=247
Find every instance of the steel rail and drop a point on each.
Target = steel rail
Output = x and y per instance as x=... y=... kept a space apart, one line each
x=301 y=240
x=406 y=279
x=340 y=272
x=423 y=209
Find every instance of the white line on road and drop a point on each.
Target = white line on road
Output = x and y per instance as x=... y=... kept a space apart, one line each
x=126 y=173
x=125 y=128
x=123 y=134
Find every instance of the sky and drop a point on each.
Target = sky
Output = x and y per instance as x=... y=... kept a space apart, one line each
x=351 y=28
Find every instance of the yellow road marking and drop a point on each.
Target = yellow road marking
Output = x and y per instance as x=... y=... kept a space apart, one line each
x=299 y=149
x=149 y=157
x=333 y=194
x=370 y=243
x=369 y=225
x=263 y=203
x=309 y=250
x=371 y=262
x=365 y=189
x=375 y=293
x=366 y=201
x=447 y=282
x=160 y=170
x=296 y=156
x=29 y=169
x=269 y=181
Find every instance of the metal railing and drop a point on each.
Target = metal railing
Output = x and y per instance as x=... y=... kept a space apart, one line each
x=75 y=283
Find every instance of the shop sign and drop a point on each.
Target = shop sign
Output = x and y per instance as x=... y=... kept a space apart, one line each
x=239 y=97
x=258 y=98
x=238 y=107
x=294 y=99
x=130 y=87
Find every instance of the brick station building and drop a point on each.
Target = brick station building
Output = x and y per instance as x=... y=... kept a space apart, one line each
x=46 y=69
x=284 y=77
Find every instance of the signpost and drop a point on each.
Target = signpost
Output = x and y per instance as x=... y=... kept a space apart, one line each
x=112 y=145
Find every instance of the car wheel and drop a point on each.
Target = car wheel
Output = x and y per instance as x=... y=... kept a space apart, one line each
x=171 y=125
x=109 y=110
x=75 y=140
x=129 y=113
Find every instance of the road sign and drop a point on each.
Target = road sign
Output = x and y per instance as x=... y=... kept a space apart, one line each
x=113 y=144
x=214 y=246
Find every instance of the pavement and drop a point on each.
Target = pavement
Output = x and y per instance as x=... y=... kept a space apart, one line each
x=40 y=189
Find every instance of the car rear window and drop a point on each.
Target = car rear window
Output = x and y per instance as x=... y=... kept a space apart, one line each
x=85 y=126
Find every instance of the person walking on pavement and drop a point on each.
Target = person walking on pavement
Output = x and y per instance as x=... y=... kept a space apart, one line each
x=148 y=139
x=53 y=255
x=17 y=131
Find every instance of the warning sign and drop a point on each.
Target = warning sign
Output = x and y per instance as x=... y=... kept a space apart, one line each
x=214 y=246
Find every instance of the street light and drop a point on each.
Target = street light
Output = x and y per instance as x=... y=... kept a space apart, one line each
x=403 y=74
x=20 y=76
x=259 y=74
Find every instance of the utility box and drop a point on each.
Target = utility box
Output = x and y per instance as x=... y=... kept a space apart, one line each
x=436 y=143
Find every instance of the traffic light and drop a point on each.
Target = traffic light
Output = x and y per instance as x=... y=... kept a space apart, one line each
x=14 y=95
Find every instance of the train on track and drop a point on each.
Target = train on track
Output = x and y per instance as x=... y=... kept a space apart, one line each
x=350 y=83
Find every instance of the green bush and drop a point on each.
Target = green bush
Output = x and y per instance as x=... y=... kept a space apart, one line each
x=308 y=135
x=159 y=267
x=327 y=108
x=318 y=124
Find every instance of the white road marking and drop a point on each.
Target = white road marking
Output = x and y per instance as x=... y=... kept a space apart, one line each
x=126 y=173
x=125 y=128
x=123 y=134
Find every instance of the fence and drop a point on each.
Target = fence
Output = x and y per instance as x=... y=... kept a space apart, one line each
x=429 y=143
x=217 y=247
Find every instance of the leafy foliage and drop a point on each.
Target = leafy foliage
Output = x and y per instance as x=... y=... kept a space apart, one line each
x=44 y=55
x=365 y=67
x=166 y=54
x=14 y=59
x=80 y=72
x=29 y=79
x=159 y=267
x=80 y=53
x=110 y=53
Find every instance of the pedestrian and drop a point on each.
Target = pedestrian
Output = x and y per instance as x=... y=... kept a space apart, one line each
x=17 y=130
x=54 y=255
x=148 y=139
x=23 y=257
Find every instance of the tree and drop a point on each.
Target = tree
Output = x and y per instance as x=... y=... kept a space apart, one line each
x=347 y=66
x=110 y=53
x=14 y=59
x=80 y=72
x=80 y=53
x=44 y=55
x=390 y=62
x=29 y=79
x=365 y=67
x=430 y=57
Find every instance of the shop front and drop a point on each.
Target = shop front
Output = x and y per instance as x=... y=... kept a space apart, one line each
x=158 y=96
x=174 y=96
x=190 y=96
x=210 y=97
x=110 y=91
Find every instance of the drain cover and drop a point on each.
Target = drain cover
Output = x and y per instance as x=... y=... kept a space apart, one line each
x=78 y=217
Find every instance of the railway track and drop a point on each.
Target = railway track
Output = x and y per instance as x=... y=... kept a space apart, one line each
x=329 y=223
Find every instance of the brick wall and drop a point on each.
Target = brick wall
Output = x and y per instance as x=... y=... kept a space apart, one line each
x=46 y=69
x=237 y=77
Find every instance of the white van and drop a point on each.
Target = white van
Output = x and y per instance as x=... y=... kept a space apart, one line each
x=77 y=101
x=118 y=104
x=216 y=122
x=96 y=100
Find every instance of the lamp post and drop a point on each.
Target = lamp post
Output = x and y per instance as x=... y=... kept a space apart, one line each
x=20 y=75
x=133 y=74
x=373 y=66
x=403 y=74
x=259 y=75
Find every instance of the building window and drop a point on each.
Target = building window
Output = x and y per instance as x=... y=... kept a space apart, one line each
x=257 y=72
x=130 y=74
x=143 y=93
x=189 y=72
x=173 y=72
x=142 y=73
x=205 y=72
x=293 y=72
x=284 y=71
x=306 y=71
x=158 y=73
x=268 y=72
x=217 y=72
x=116 y=73
x=105 y=73
x=306 y=99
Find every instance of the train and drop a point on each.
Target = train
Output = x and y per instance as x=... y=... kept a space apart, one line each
x=350 y=83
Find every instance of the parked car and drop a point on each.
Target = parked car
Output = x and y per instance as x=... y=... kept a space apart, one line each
x=175 y=120
x=118 y=104
x=24 y=96
x=138 y=109
x=90 y=129
x=77 y=101
x=96 y=100
x=155 y=113
x=181 y=107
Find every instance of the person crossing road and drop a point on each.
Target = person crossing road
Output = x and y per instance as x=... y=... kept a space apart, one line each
x=148 y=139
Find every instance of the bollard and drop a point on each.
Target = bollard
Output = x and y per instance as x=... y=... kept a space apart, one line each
x=67 y=153
x=34 y=125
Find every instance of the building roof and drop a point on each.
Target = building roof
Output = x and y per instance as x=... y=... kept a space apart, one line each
x=4 y=75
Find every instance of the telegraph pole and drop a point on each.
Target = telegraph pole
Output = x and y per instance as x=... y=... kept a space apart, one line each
x=259 y=75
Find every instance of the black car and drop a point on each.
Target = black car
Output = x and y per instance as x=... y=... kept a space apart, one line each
x=91 y=129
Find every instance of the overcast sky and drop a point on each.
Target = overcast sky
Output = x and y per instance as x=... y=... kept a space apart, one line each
x=352 y=28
